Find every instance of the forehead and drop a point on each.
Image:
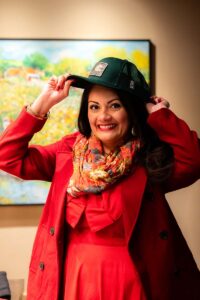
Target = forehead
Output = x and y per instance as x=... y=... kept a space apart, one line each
x=99 y=92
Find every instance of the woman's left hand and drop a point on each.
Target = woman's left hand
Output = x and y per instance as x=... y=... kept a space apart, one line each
x=156 y=104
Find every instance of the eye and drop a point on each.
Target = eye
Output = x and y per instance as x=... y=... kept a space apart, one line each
x=116 y=105
x=93 y=107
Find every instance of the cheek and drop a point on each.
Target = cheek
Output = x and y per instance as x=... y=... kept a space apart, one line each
x=124 y=121
x=91 y=119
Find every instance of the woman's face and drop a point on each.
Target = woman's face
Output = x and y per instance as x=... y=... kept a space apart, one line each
x=107 y=117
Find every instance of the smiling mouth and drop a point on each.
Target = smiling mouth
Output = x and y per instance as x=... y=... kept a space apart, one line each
x=106 y=126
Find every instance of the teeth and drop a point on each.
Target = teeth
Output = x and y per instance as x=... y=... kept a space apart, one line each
x=106 y=126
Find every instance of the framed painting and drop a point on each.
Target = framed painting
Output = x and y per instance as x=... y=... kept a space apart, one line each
x=25 y=66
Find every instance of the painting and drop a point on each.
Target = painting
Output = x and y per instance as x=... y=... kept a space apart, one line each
x=25 y=66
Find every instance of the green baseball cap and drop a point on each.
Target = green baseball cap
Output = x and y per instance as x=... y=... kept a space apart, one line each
x=117 y=74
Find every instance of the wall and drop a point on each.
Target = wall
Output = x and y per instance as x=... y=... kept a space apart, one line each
x=174 y=29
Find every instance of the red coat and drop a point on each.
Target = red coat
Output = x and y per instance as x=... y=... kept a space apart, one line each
x=163 y=259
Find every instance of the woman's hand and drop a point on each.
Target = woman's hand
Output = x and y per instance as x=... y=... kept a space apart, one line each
x=156 y=104
x=54 y=91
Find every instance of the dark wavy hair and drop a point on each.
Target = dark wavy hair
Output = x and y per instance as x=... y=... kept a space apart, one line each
x=155 y=155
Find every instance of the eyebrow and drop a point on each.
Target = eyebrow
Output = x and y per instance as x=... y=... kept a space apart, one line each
x=107 y=102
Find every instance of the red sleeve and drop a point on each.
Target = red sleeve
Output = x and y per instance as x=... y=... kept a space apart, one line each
x=185 y=145
x=20 y=159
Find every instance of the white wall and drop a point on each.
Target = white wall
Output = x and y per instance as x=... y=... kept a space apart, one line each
x=172 y=26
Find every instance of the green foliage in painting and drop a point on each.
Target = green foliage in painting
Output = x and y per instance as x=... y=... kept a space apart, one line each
x=36 y=61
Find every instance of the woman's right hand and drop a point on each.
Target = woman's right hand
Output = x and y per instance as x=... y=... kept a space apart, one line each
x=54 y=91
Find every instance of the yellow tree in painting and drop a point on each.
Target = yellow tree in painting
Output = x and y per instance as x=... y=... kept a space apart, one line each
x=111 y=51
x=141 y=60
x=72 y=66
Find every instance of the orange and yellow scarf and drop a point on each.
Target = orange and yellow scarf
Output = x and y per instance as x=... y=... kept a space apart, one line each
x=93 y=171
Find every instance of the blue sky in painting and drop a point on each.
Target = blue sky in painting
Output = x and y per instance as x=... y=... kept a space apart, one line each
x=56 y=50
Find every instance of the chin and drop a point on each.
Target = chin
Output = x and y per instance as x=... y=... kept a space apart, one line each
x=111 y=142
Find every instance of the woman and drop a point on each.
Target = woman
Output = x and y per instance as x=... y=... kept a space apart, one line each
x=106 y=231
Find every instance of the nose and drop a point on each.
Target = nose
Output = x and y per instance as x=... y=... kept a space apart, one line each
x=104 y=115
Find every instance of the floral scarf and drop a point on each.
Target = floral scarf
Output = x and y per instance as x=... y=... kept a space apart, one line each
x=93 y=171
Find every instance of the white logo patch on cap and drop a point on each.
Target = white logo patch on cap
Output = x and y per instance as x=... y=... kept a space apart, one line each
x=132 y=84
x=98 y=69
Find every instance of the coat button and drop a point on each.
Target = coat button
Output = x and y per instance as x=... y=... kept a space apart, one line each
x=41 y=266
x=52 y=231
x=163 y=235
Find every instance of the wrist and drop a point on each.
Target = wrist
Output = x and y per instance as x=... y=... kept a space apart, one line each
x=40 y=115
x=40 y=107
x=158 y=107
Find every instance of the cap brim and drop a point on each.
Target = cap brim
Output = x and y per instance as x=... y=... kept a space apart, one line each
x=80 y=81
x=84 y=82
